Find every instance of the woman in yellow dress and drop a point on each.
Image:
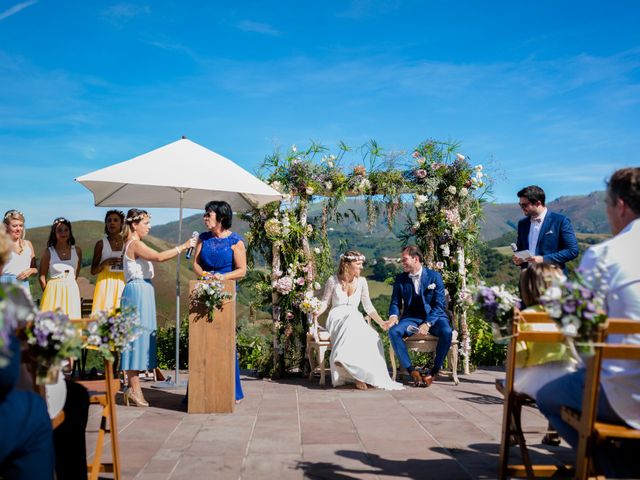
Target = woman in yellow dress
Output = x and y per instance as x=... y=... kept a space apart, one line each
x=107 y=264
x=61 y=261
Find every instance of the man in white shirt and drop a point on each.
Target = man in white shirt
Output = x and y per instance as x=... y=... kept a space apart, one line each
x=617 y=258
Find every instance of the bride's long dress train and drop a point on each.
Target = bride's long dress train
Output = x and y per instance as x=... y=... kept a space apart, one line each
x=356 y=349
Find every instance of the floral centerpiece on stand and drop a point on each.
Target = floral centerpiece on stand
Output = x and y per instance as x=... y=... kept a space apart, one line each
x=211 y=294
x=113 y=331
x=497 y=305
x=53 y=339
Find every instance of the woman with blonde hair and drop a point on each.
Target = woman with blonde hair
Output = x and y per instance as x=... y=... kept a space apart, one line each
x=21 y=263
x=357 y=354
x=139 y=294
x=61 y=261
x=107 y=264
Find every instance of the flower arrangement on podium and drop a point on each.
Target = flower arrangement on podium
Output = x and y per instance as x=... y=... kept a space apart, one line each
x=113 y=331
x=210 y=293
x=53 y=339
x=497 y=305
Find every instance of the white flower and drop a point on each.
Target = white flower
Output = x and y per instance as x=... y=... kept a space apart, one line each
x=478 y=168
x=416 y=225
x=294 y=148
x=276 y=185
x=479 y=175
x=316 y=286
x=431 y=286
x=328 y=185
x=459 y=156
x=464 y=192
x=317 y=250
x=330 y=164
x=553 y=293
x=452 y=190
x=445 y=250
x=570 y=330
x=309 y=190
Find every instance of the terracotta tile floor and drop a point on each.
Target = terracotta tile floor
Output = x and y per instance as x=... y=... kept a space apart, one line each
x=295 y=429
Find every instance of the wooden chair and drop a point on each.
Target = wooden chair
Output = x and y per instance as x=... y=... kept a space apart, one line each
x=103 y=393
x=514 y=401
x=427 y=344
x=591 y=432
x=318 y=344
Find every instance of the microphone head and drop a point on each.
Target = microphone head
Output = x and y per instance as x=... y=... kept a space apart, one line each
x=195 y=234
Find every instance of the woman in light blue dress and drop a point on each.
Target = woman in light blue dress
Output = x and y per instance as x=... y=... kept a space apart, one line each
x=138 y=293
x=221 y=254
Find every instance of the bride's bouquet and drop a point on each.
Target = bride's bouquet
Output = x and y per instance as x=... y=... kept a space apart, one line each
x=310 y=304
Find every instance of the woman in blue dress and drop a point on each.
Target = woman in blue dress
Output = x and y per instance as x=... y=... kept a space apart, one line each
x=221 y=254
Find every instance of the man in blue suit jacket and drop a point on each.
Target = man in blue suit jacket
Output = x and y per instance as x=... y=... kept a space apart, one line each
x=419 y=293
x=547 y=235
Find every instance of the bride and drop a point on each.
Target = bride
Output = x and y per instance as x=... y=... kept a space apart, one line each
x=357 y=354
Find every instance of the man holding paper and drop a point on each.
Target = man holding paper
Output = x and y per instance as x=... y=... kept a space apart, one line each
x=547 y=236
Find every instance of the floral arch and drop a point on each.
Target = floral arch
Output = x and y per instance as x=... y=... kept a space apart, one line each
x=446 y=192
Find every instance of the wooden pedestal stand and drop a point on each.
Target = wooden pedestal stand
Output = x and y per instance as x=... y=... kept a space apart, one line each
x=212 y=348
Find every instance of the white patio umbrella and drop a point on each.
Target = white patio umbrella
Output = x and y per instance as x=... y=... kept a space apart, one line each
x=181 y=174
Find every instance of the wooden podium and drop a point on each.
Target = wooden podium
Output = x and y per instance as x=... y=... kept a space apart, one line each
x=212 y=350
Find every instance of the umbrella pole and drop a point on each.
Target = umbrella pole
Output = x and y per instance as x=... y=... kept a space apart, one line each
x=178 y=294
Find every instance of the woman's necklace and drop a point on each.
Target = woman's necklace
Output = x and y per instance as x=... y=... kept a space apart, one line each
x=64 y=254
x=348 y=287
x=115 y=243
x=20 y=245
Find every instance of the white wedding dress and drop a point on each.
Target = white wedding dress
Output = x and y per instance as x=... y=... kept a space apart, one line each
x=355 y=345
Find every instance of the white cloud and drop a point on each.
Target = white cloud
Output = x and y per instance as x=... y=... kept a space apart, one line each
x=257 y=27
x=16 y=8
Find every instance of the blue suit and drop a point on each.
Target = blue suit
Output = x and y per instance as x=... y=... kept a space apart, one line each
x=428 y=305
x=556 y=243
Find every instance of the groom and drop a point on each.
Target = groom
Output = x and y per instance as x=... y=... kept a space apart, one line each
x=420 y=293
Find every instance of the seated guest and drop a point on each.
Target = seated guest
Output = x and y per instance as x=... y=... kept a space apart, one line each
x=26 y=443
x=539 y=363
x=619 y=400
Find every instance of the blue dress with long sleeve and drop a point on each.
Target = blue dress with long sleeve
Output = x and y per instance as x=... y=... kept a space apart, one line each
x=216 y=256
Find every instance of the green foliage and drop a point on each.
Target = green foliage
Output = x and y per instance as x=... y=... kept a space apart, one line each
x=484 y=351
x=166 y=339
x=383 y=271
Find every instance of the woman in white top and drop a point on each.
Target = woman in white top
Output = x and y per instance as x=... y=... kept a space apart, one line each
x=61 y=261
x=107 y=264
x=139 y=294
x=22 y=261
x=357 y=354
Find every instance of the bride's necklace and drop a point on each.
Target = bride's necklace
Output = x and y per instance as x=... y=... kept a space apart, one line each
x=348 y=287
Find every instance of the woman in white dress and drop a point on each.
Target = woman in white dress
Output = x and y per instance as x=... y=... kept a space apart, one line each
x=357 y=355
x=22 y=261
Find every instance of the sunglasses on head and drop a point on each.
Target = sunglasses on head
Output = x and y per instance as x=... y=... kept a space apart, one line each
x=61 y=220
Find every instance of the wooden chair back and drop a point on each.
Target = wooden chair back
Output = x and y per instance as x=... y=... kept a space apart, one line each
x=590 y=431
x=513 y=400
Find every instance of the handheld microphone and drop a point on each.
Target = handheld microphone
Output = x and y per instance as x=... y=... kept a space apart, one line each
x=514 y=247
x=195 y=236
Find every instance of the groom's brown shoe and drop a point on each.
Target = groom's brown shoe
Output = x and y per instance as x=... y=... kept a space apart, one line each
x=427 y=380
x=417 y=379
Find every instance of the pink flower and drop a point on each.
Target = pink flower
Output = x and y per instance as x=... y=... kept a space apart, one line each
x=300 y=281
x=439 y=265
x=289 y=316
x=415 y=154
x=420 y=173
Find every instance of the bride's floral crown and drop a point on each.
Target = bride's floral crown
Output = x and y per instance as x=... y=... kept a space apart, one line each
x=352 y=258
x=137 y=217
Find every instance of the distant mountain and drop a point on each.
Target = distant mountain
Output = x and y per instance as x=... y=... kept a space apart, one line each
x=586 y=212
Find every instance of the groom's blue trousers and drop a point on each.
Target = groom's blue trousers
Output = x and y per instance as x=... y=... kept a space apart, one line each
x=439 y=328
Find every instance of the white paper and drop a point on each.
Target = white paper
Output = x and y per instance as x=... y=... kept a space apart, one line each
x=523 y=254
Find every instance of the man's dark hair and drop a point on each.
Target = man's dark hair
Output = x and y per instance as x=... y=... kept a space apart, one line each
x=625 y=185
x=533 y=193
x=223 y=212
x=414 y=251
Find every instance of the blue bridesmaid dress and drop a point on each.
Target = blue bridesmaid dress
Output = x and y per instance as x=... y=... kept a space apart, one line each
x=216 y=256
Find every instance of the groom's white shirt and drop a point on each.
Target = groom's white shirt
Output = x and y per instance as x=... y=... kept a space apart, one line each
x=415 y=278
x=618 y=256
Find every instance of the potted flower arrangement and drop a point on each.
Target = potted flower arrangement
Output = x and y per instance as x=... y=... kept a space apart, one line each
x=497 y=304
x=113 y=331
x=53 y=338
x=210 y=293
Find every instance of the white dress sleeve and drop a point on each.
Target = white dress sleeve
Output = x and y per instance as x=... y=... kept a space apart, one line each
x=366 y=299
x=326 y=295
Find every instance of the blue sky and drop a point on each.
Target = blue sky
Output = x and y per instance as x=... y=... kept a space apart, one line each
x=543 y=92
